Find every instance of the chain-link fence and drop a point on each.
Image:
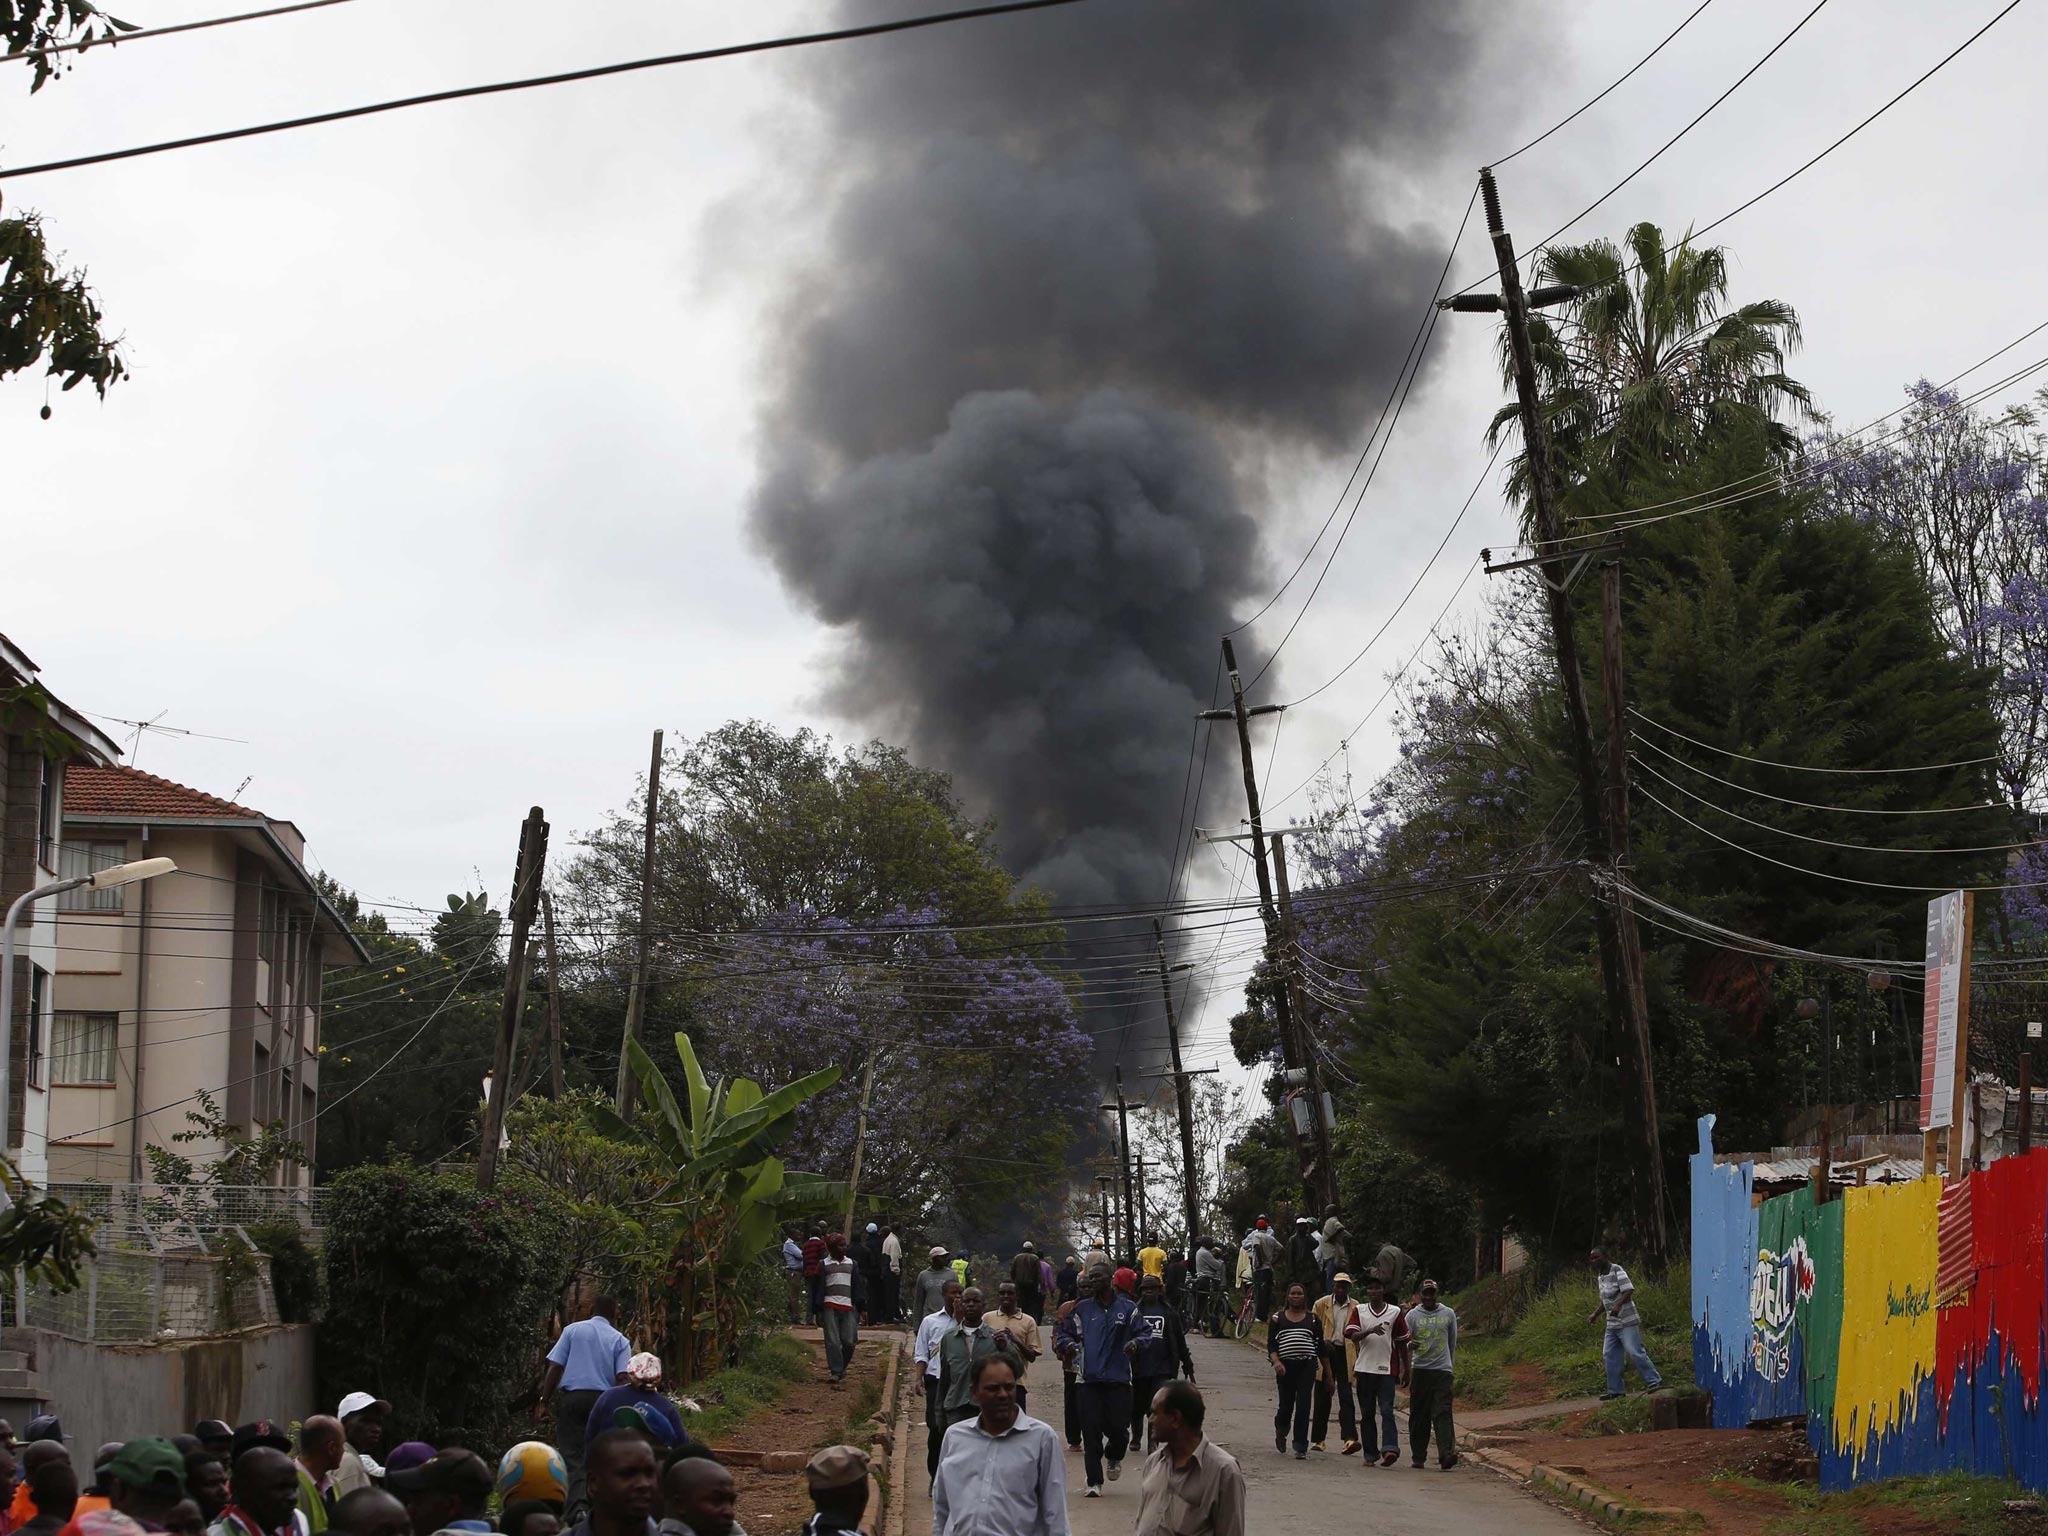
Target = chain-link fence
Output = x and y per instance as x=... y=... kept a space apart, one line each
x=171 y=1263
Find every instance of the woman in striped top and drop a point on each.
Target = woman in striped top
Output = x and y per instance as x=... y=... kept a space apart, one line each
x=1294 y=1344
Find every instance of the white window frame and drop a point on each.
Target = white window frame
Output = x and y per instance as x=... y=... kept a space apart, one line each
x=105 y=1047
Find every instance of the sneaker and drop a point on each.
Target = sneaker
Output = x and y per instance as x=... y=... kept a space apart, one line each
x=1301 y=1455
x=1608 y=1397
x=1094 y=1491
x=1350 y=1447
x=1116 y=1470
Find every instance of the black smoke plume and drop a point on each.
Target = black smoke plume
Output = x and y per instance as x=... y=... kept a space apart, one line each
x=1082 y=268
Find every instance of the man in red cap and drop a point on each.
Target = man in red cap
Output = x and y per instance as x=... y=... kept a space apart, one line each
x=1264 y=1248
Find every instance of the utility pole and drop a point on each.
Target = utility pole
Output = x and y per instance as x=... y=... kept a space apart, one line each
x=519 y=1022
x=860 y=1136
x=1183 y=1095
x=636 y=1000
x=1122 y=1106
x=1104 y=1184
x=1317 y=1177
x=556 y=1087
x=1611 y=918
x=1324 y=1184
x=526 y=879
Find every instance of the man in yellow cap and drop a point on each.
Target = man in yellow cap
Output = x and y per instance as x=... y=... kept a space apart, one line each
x=1336 y=1312
x=838 y=1479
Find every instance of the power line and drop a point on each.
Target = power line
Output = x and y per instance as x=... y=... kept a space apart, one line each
x=140 y=33
x=565 y=77
x=1337 y=506
x=1965 y=762
x=1639 y=63
x=1815 y=805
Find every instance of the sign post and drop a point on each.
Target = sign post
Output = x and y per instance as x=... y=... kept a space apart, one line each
x=1945 y=1028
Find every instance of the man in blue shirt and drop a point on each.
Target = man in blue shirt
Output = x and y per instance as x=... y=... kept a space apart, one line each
x=1106 y=1321
x=588 y=1360
x=793 y=1273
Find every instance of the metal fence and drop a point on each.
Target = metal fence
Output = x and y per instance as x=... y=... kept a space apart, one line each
x=171 y=1263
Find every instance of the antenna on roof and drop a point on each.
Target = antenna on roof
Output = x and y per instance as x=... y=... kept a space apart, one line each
x=237 y=795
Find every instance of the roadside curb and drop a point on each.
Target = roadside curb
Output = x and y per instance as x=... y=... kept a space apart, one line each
x=879 y=1449
x=1603 y=1506
x=890 y=1522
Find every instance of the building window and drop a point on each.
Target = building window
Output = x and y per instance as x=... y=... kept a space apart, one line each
x=82 y=1049
x=76 y=859
x=38 y=997
x=46 y=816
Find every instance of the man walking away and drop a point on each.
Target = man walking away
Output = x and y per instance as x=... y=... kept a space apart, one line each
x=1379 y=1341
x=1332 y=1248
x=793 y=1273
x=1193 y=1487
x=1001 y=1472
x=1107 y=1322
x=1335 y=1312
x=1024 y=1275
x=588 y=1359
x=932 y=1281
x=1208 y=1288
x=931 y=1331
x=1045 y=1285
x=1022 y=1328
x=1303 y=1268
x=1067 y=1283
x=1433 y=1349
x=892 y=1276
x=1624 y=1326
x=1264 y=1249
x=814 y=1268
x=839 y=1293
x=1159 y=1351
x=1395 y=1267
x=1152 y=1260
x=869 y=1256
x=837 y=1479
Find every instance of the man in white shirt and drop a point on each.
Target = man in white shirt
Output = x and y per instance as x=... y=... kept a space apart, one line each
x=892 y=1275
x=931 y=1332
x=1001 y=1473
x=1378 y=1334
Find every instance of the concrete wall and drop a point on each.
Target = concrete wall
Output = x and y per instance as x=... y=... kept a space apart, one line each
x=121 y=1391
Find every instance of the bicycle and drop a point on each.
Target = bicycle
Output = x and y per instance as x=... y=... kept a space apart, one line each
x=1245 y=1315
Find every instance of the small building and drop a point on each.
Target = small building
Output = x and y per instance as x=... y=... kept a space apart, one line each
x=39 y=733
x=208 y=980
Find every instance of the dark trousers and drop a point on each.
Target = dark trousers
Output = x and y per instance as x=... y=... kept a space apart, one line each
x=572 y=1417
x=1142 y=1388
x=1031 y=1302
x=1262 y=1294
x=889 y=1307
x=814 y=1285
x=934 y=1426
x=1071 y=1396
x=1338 y=1386
x=1376 y=1394
x=1429 y=1406
x=1297 y=1392
x=1105 y=1425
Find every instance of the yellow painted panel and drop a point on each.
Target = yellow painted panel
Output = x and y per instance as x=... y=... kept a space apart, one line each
x=1889 y=1251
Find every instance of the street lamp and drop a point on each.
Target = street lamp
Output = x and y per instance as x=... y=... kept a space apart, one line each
x=99 y=880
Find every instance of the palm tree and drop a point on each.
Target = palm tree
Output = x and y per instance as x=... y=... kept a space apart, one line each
x=1645 y=368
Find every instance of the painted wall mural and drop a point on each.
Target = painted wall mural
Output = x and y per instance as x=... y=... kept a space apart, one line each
x=1844 y=1313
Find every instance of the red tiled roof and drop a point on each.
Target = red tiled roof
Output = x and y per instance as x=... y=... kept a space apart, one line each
x=118 y=791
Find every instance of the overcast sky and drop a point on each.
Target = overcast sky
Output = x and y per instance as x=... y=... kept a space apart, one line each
x=430 y=479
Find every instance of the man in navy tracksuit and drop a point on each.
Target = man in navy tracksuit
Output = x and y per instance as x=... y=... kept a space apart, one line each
x=1107 y=1323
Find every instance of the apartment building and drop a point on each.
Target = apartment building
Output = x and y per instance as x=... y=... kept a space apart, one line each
x=207 y=980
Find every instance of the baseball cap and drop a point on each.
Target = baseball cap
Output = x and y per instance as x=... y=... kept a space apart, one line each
x=1260 y=1222
x=1429 y=1285
x=940 y=1250
x=873 y=1227
x=406 y=1455
x=207 y=1431
x=45 y=1426
x=360 y=1402
x=451 y=1471
x=1340 y=1275
x=149 y=1463
x=260 y=1432
x=837 y=1466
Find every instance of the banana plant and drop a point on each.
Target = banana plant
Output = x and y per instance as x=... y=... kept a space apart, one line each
x=721 y=1183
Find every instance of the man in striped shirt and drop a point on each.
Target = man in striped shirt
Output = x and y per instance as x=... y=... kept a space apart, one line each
x=839 y=1294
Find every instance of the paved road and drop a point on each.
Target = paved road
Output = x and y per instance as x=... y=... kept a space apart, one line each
x=1325 y=1493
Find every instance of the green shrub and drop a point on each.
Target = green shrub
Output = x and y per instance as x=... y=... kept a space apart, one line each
x=438 y=1299
x=295 y=1268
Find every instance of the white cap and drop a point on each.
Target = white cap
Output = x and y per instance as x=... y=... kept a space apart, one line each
x=940 y=1250
x=357 y=1402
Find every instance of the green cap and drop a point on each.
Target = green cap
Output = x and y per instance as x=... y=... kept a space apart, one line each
x=148 y=1464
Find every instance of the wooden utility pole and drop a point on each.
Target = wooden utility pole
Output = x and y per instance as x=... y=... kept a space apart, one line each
x=1324 y=1185
x=519 y=1023
x=1611 y=917
x=1639 y=1097
x=556 y=1087
x=1139 y=1164
x=1317 y=1176
x=1122 y=1106
x=636 y=1000
x=526 y=878
x=860 y=1136
x=1183 y=1095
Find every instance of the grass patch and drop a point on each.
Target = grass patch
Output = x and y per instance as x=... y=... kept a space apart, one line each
x=1957 y=1501
x=1551 y=1333
x=734 y=1395
x=867 y=1402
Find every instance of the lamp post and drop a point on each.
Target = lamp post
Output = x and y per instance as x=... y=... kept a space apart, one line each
x=99 y=880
